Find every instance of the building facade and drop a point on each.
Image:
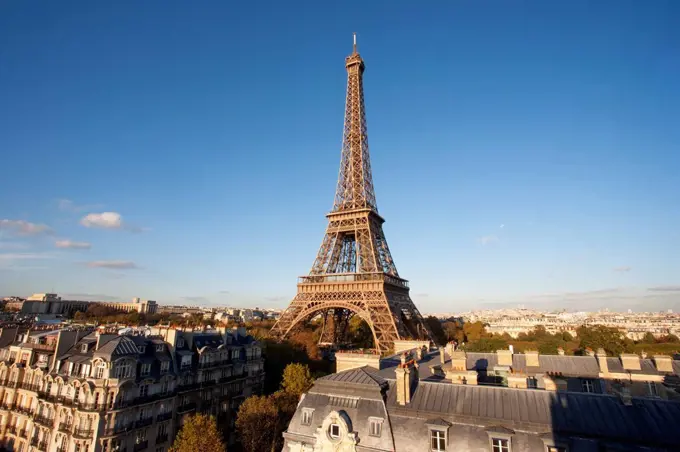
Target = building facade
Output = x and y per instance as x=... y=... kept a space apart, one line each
x=85 y=390
x=419 y=402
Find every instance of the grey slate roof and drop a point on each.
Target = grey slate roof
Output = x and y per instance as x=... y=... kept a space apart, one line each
x=361 y=376
x=120 y=346
x=589 y=415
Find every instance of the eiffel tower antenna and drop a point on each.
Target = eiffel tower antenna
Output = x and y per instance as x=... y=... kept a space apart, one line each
x=354 y=273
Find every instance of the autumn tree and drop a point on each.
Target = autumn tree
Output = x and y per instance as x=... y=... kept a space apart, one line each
x=256 y=423
x=296 y=379
x=199 y=433
x=436 y=327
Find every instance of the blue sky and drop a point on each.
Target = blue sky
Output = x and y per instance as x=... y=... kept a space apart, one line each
x=523 y=152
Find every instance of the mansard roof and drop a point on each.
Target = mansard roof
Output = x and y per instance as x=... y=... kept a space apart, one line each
x=360 y=376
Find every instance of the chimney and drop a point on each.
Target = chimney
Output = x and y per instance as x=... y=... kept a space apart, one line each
x=560 y=351
x=420 y=352
x=407 y=377
x=601 y=357
x=459 y=360
x=630 y=361
x=643 y=354
x=504 y=357
x=531 y=358
x=353 y=359
x=663 y=363
x=442 y=355
x=589 y=351
x=554 y=383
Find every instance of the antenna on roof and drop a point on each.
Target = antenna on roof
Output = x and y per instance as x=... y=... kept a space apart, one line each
x=355 y=42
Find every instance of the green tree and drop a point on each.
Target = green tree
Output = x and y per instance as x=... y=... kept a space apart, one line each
x=257 y=422
x=199 y=433
x=296 y=379
x=359 y=333
x=487 y=344
x=648 y=338
x=600 y=336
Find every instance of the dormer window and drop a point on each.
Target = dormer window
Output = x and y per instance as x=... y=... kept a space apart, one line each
x=307 y=414
x=180 y=342
x=500 y=444
x=375 y=426
x=165 y=366
x=160 y=347
x=146 y=369
x=142 y=348
x=83 y=348
x=334 y=431
x=437 y=440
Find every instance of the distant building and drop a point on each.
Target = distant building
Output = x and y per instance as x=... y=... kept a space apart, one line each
x=136 y=305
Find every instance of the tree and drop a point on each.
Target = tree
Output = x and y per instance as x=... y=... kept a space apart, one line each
x=359 y=333
x=487 y=344
x=474 y=331
x=257 y=422
x=296 y=379
x=648 y=338
x=600 y=336
x=436 y=328
x=199 y=433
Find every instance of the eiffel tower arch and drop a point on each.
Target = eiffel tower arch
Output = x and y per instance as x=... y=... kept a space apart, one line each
x=354 y=273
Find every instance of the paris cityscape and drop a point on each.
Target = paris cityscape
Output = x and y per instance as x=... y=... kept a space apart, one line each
x=198 y=272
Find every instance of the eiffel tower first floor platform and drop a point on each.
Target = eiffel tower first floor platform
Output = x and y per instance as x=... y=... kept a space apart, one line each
x=381 y=300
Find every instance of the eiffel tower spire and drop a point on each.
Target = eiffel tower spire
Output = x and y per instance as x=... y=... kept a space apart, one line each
x=354 y=273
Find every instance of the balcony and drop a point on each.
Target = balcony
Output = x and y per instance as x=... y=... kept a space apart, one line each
x=29 y=386
x=164 y=416
x=141 y=446
x=8 y=406
x=83 y=433
x=23 y=410
x=65 y=427
x=212 y=364
x=42 y=445
x=186 y=407
x=44 y=420
x=144 y=422
x=12 y=429
x=117 y=429
x=160 y=439
x=353 y=277
x=23 y=433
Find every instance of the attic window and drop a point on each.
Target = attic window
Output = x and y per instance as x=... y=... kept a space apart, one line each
x=180 y=342
x=500 y=445
x=307 y=414
x=334 y=431
x=587 y=386
x=159 y=347
x=83 y=348
x=375 y=426
x=142 y=348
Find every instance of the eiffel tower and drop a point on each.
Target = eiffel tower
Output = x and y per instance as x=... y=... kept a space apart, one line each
x=354 y=273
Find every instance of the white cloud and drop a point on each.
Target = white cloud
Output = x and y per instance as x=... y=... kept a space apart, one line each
x=22 y=227
x=105 y=220
x=488 y=239
x=70 y=244
x=115 y=265
x=622 y=269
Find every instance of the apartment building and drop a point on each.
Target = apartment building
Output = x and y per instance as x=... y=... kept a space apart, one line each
x=94 y=390
x=436 y=401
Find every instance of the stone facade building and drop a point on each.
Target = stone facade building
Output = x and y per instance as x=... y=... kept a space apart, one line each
x=421 y=402
x=91 y=391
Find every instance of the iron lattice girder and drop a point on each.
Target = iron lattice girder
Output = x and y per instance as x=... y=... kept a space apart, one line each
x=353 y=269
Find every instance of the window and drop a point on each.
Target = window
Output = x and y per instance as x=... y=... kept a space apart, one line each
x=532 y=383
x=375 y=427
x=438 y=440
x=651 y=388
x=83 y=348
x=307 y=416
x=334 y=431
x=587 y=386
x=146 y=369
x=160 y=347
x=142 y=348
x=143 y=390
x=99 y=370
x=165 y=366
x=500 y=445
x=557 y=449
x=123 y=370
x=180 y=342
